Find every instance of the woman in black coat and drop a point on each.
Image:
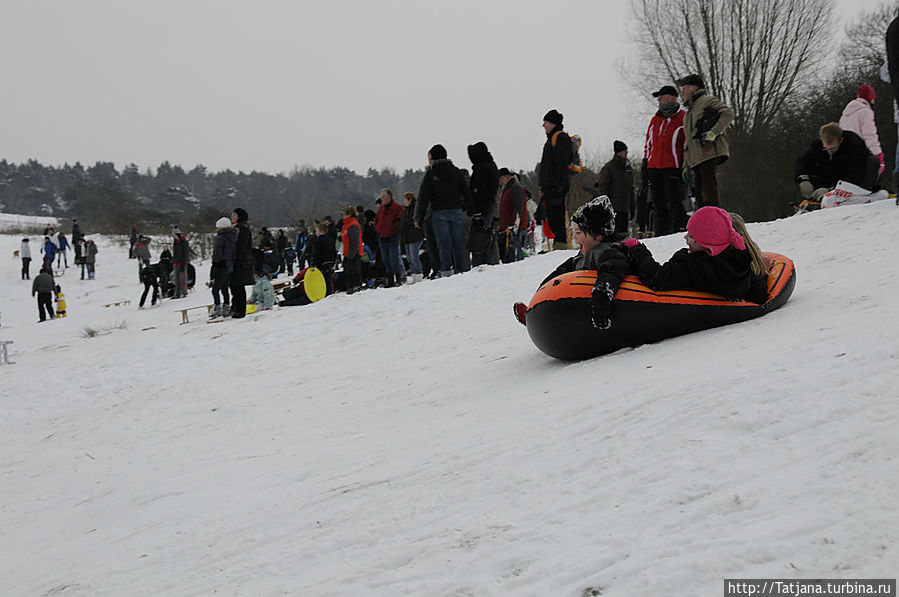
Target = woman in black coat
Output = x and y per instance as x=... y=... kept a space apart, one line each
x=243 y=263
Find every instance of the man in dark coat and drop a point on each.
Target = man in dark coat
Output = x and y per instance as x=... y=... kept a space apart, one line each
x=243 y=263
x=834 y=156
x=43 y=286
x=76 y=241
x=484 y=185
x=553 y=176
x=616 y=181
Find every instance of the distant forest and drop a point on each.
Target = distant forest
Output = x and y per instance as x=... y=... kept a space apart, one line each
x=108 y=200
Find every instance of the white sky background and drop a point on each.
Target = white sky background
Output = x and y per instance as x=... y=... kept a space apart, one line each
x=275 y=84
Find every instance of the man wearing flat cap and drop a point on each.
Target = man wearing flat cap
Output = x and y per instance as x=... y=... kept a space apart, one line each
x=664 y=155
x=553 y=176
x=706 y=145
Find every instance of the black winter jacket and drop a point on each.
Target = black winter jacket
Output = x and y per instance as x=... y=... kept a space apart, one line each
x=607 y=258
x=484 y=181
x=616 y=180
x=181 y=251
x=849 y=162
x=443 y=187
x=554 y=177
x=411 y=234
x=243 y=256
x=225 y=249
x=727 y=274
x=322 y=252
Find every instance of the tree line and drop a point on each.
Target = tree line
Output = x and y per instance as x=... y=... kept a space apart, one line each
x=109 y=200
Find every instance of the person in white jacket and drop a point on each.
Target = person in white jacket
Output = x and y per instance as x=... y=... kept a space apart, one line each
x=858 y=117
x=25 y=254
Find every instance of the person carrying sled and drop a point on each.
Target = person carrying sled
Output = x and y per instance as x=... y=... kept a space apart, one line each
x=593 y=229
x=716 y=260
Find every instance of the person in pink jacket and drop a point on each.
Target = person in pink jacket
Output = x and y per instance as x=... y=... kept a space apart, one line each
x=858 y=117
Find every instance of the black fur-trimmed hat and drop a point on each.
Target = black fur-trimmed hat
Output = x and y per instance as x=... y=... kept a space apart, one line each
x=596 y=217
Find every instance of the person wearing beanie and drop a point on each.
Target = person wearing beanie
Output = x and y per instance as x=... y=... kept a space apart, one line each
x=716 y=260
x=484 y=185
x=706 y=146
x=224 y=252
x=858 y=117
x=616 y=181
x=445 y=194
x=593 y=229
x=242 y=274
x=834 y=156
x=554 y=177
x=663 y=151
x=43 y=287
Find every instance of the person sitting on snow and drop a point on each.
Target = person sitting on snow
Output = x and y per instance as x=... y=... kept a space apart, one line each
x=593 y=228
x=263 y=292
x=836 y=155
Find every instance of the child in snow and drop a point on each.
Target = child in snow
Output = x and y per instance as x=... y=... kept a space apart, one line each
x=149 y=275
x=263 y=293
x=593 y=228
x=716 y=260
x=60 y=303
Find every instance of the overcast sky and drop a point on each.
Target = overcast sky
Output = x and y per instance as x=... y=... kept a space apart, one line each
x=273 y=84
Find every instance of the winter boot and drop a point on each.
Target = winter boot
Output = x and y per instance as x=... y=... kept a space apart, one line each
x=226 y=310
x=215 y=312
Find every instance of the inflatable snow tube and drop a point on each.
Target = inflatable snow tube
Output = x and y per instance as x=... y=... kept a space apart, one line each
x=558 y=317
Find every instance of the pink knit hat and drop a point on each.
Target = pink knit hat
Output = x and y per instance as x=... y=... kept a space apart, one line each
x=866 y=92
x=712 y=228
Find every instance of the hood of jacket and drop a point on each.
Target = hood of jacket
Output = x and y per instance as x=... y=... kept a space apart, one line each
x=857 y=105
x=479 y=153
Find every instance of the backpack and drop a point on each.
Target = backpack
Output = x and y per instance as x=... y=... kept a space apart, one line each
x=575 y=167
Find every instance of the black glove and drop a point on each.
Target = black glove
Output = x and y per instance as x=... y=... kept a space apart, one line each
x=601 y=306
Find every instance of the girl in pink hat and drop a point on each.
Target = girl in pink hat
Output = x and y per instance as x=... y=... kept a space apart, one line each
x=716 y=260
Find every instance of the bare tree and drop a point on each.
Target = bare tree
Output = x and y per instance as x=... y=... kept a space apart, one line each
x=864 y=51
x=753 y=54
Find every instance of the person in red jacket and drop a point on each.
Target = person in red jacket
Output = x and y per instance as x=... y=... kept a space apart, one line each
x=389 y=225
x=514 y=220
x=664 y=151
x=351 y=237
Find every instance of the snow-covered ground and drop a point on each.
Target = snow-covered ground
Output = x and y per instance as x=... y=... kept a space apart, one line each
x=412 y=441
x=20 y=222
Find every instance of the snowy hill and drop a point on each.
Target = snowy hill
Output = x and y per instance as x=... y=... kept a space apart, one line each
x=412 y=441
x=17 y=222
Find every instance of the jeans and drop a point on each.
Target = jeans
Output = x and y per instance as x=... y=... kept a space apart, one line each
x=390 y=254
x=449 y=227
x=45 y=303
x=412 y=250
x=180 y=281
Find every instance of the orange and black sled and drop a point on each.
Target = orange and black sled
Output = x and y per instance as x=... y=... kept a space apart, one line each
x=558 y=317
